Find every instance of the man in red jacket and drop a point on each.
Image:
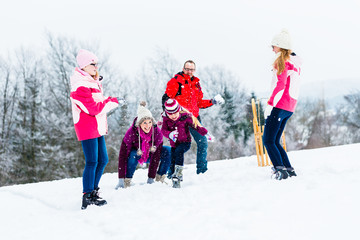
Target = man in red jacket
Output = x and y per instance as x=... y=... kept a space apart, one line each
x=186 y=89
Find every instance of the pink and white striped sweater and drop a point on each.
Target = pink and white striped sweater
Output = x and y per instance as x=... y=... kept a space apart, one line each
x=89 y=106
x=286 y=86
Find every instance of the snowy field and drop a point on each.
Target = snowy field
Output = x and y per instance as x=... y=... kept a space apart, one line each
x=235 y=199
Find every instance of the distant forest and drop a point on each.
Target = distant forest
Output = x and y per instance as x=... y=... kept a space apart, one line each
x=37 y=137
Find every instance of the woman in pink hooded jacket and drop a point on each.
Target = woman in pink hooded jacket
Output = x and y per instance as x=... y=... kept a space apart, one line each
x=282 y=103
x=89 y=108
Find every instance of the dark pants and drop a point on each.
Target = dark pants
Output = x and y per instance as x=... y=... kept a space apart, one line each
x=177 y=155
x=202 y=146
x=274 y=127
x=96 y=158
x=163 y=166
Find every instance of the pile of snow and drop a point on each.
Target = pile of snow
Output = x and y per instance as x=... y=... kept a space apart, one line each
x=235 y=199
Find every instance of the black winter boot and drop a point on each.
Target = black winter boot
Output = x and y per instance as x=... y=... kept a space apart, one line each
x=291 y=172
x=97 y=200
x=177 y=177
x=280 y=173
x=86 y=200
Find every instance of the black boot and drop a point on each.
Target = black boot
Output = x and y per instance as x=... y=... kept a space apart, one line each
x=284 y=174
x=97 y=200
x=280 y=173
x=177 y=177
x=291 y=172
x=86 y=201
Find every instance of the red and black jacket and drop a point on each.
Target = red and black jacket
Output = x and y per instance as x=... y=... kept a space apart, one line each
x=187 y=91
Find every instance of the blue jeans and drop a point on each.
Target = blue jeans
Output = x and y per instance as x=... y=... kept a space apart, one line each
x=274 y=127
x=96 y=158
x=177 y=155
x=163 y=166
x=202 y=145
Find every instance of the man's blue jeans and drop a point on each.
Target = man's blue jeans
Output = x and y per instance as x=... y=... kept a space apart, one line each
x=274 y=127
x=202 y=146
x=163 y=165
x=96 y=158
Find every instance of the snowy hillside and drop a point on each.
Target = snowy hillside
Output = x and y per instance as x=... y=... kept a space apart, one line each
x=235 y=199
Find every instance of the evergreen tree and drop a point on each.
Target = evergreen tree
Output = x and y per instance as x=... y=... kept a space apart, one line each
x=28 y=123
x=228 y=115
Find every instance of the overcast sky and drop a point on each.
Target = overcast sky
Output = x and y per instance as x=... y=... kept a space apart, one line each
x=233 y=33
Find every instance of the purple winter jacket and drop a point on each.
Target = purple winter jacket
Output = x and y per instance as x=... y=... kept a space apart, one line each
x=182 y=124
x=131 y=142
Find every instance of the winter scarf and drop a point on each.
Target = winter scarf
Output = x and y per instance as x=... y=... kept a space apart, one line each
x=145 y=145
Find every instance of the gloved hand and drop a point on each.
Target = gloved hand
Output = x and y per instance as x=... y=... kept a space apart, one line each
x=210 y=137
x=121 y=101
x=121 y=184
x=218 y=99
x=174 y=135
x=150 y=181
x=267 y=111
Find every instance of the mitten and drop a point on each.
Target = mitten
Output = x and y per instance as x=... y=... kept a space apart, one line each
x=121 y=101
x=121 y=184
x=174 y=135
x=210 y=137
x=150 y=181
x=218 y=99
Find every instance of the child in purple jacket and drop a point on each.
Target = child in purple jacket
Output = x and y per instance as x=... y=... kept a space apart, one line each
x=143 y=142
x=175 y=127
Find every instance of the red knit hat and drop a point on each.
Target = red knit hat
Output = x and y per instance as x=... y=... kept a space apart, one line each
x=171 y=106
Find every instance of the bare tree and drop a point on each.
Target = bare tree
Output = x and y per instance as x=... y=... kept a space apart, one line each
x=9 y=95
x=153 y=77
x=349 y=116
x=313 y=125
x=27 y=130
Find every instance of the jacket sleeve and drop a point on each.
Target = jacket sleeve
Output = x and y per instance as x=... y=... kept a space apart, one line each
x=82 y=97
x=201 y=130
x=124 y=153
x=203 y=103
x=158 y=138
x=172 y=88
x=165 y=129
x=279 y=88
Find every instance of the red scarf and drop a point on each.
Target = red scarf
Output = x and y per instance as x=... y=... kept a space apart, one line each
x=145 y=145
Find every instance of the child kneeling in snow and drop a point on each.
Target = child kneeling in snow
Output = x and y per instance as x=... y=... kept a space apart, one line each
x=143 y=142
x=176 y=124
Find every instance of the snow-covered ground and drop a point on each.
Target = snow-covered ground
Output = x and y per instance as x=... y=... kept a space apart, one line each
x=235 y=199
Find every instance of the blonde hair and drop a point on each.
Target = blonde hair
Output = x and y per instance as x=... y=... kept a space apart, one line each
x=196 y=121
x=279 y=63
x=96 y=76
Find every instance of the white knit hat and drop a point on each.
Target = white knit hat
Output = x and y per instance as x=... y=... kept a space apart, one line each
x=282 y=40
x=143 y=113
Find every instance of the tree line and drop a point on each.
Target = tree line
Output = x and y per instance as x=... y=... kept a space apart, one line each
x=37 y=137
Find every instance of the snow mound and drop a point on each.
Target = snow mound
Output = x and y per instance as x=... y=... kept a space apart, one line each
x=235 y=199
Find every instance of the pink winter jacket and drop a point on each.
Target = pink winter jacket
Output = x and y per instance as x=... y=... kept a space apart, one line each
x=286 y=86
x=89 y=106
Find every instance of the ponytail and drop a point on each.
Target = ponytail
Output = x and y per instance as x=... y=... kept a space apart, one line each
x=279 y=63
